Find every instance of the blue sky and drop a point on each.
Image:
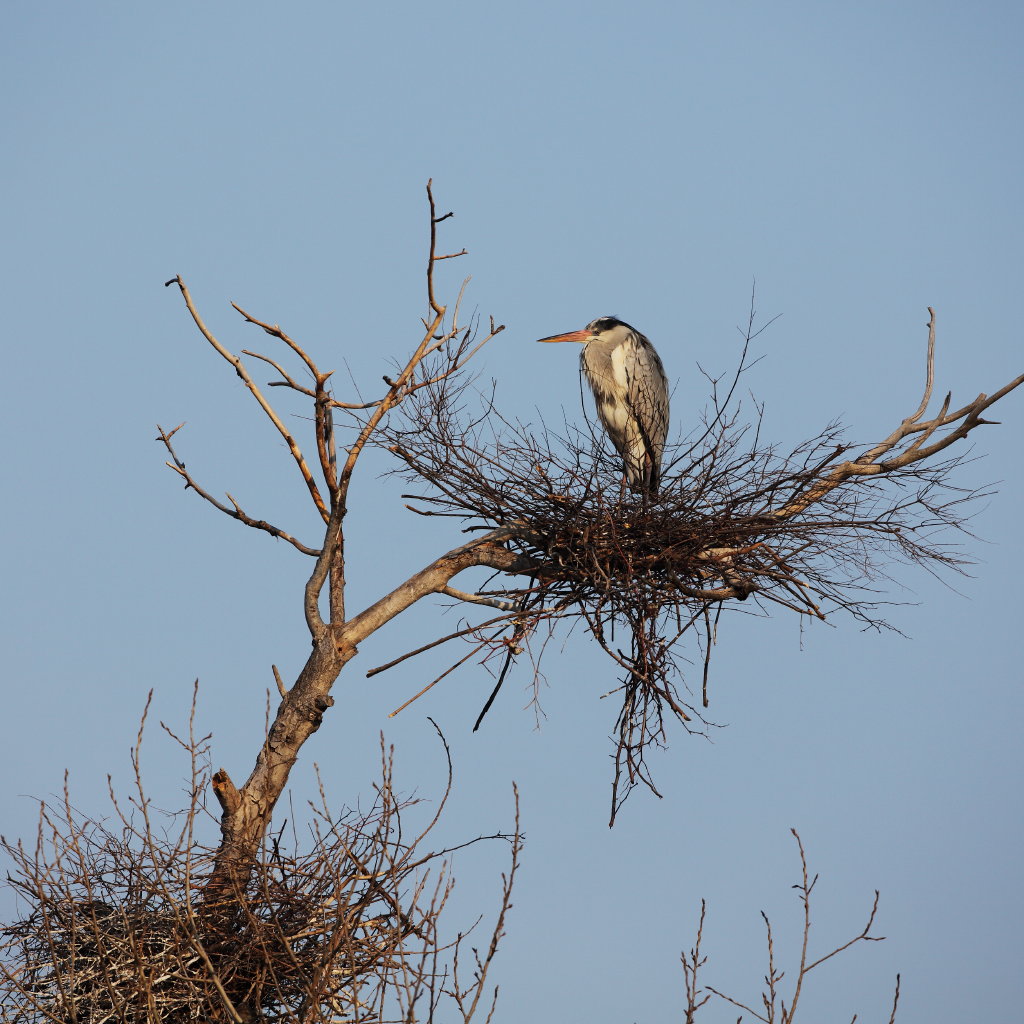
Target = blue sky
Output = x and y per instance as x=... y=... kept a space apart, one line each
x=649 y=160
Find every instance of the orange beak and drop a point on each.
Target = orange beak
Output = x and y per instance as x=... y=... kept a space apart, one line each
x=581 y=336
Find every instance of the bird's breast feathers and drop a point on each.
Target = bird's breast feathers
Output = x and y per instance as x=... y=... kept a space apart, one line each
x=623 y=359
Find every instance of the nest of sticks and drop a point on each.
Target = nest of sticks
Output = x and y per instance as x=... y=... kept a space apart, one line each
x=120 y=928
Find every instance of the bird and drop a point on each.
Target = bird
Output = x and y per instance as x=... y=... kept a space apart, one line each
x=631 y=393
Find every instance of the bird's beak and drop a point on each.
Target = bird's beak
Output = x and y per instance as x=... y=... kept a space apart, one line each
x=580 y=336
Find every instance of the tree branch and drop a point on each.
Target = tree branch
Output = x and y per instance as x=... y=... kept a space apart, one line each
x=236 y=512
x=485 y=551
x=247 y=380
x=872 y=463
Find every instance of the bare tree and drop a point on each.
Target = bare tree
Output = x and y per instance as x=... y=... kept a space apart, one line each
x=774 y=1006
x=810 y=531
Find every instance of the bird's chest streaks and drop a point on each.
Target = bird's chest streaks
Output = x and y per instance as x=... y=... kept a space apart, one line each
x=607 y=369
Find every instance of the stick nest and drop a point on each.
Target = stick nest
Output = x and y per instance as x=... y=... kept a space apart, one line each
x=121 y=926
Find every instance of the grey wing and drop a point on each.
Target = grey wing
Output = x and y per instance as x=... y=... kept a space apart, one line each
x=647 y=391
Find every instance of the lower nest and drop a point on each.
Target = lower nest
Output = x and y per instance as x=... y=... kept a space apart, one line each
x=97 y=962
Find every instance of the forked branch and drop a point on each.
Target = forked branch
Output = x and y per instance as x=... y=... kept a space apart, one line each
x=246 y=378
x=908 y=443
x=775 y=1008
x=235 y=511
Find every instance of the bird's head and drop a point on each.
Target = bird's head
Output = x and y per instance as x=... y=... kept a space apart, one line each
x=604 y=328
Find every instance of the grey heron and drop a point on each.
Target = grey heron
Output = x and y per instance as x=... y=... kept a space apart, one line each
x=631 y=393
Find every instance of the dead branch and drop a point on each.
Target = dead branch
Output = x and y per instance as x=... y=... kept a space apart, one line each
x=236 y=511
x=247 y=380
x=878 y=460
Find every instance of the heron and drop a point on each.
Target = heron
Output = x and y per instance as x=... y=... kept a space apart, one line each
x=631 y=393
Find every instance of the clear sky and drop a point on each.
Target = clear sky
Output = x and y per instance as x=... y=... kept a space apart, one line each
x=648 y=159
